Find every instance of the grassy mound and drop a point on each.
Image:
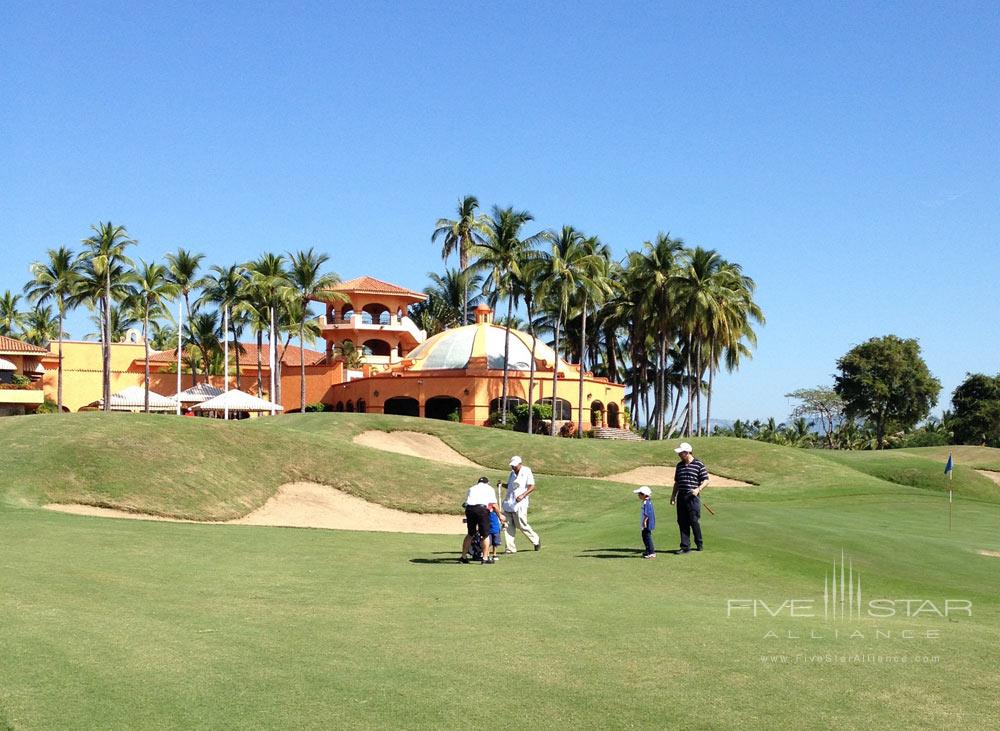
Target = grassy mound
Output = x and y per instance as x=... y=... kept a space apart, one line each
x=205 y=469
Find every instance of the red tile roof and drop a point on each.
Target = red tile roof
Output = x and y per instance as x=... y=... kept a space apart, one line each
x=370 y=285
x=15 y=346
x=248 y=356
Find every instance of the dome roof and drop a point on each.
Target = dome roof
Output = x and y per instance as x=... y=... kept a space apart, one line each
x=454 y=349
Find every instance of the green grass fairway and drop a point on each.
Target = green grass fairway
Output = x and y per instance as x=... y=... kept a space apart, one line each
x=134 y=624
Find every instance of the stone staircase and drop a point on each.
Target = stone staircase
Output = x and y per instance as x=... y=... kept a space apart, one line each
x=606 y=432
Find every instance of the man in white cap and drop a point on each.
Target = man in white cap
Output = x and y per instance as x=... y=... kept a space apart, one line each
x=690 y=478
x=520 y=484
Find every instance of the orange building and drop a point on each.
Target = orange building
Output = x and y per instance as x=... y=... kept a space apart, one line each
x=458 y=374
x=21 y=372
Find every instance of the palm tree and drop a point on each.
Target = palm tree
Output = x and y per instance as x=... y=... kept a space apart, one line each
x=462 y=234
x=307 y=283
x=122 y=319
x=41 y=327
x=565 y=267
x=203 y=332
x=226 y=287
x=655 y=279
x=449 y=294
x=595 y=287
x=55 y=281
x=268 y=286
x=183 y=270
x=531 y=282
x=105 y=261
x=11 y=318
x=502 y=255
x=151 y=290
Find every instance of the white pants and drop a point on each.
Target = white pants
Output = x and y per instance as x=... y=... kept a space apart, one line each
x=519 y=519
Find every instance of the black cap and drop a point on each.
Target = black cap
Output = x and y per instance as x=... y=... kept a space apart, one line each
x=484 y=479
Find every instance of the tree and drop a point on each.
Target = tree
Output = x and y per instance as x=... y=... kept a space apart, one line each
x=108 y=268
x=204 y=332
x=502 y=255
x=462 y=235
x=268 y=287
x=151 y=290
x=226 y=287
x=975 y=416
x=886 y=382
x=41 y=327
x=594 y=288
x=822 y=403
x=307 y=283
x=11 y=317
x=56 y=281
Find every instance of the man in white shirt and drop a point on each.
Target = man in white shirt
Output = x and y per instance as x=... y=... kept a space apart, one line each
x=520 y=484
x=480 y=499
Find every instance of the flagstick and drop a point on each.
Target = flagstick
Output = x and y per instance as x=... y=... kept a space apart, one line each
x=950 y=500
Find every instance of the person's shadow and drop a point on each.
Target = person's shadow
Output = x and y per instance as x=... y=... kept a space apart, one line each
x=610 y=553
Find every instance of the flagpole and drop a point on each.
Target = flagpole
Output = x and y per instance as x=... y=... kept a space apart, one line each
x=225 y=358
x=180 y=329
x=951 y=494
x=271 y=359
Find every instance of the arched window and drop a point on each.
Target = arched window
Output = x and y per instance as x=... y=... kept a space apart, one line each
x=562 y=410
x=401 y=406
x=443 y=407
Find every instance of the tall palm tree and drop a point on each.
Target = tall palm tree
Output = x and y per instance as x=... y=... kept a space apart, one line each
x=151 y=290
x=203 y=332
x=183 y=269
x=462 y=234
x=594 y=288
x=566 y=266
x=106 y=262
x=11 y=318
x=268 y=287
x=532 y=270
x=41 y=327
x=226 y=287
x=501 y=256
x=306 y=281
x=56 y=281
x=121 y=319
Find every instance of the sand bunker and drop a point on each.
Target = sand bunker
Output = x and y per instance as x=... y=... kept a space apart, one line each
x=413 y=444
x=308 y=505
x=995 y=476
x=664 y=477
x=984 y=552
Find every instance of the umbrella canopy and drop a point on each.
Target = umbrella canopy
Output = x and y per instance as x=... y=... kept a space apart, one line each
x=236 y=400
x=6 y=365
x=131 y=399
x=198 y=394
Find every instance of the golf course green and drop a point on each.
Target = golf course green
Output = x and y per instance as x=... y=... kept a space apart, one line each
x=113 y=623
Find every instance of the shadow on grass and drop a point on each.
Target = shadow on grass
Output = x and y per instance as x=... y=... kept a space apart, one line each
x=610 y=553
x=453 y=558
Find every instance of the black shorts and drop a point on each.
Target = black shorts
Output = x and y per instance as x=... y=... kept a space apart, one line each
x=477 y=516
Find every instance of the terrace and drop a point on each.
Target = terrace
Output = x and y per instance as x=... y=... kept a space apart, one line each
x=21 y=372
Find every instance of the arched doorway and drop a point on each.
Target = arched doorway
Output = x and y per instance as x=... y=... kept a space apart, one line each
x=596 y=413
x=401 y=406
x=362 y=406
x=443 y=407
x=613 y=421
x=562 y=410
x=350 y=407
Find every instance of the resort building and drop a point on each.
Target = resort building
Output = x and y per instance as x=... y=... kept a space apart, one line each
x=374 y=359
x=21 y=372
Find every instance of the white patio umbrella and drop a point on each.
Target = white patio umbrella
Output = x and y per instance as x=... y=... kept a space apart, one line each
x=236 y=400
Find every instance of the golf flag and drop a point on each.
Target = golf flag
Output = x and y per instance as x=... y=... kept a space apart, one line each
x=949 y=467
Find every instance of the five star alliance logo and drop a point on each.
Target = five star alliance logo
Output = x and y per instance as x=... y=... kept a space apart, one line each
x=849 y=604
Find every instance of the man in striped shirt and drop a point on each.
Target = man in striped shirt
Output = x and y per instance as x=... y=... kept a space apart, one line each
x=690 y=478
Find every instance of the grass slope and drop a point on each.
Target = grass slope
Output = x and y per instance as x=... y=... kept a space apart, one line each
x=114 y=624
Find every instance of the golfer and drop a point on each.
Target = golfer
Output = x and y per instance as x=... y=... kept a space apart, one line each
x=520 y=484
x=690 y=478
x=478 y=502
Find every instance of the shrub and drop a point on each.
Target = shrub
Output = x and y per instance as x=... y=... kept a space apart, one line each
x=317 y=407
x=18 y=380
x=49 y=407
x=568 y=429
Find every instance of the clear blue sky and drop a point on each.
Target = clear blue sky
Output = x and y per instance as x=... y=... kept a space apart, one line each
x=846 y=155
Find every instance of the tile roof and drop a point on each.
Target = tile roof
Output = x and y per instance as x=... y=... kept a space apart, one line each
x=248 y=356
x=13 y=345
x=370 y=285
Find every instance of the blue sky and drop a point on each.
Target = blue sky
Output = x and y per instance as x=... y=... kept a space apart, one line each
x=846 y=155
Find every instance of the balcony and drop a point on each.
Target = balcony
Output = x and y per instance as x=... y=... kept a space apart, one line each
x=21 y=395
x=356 y=323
